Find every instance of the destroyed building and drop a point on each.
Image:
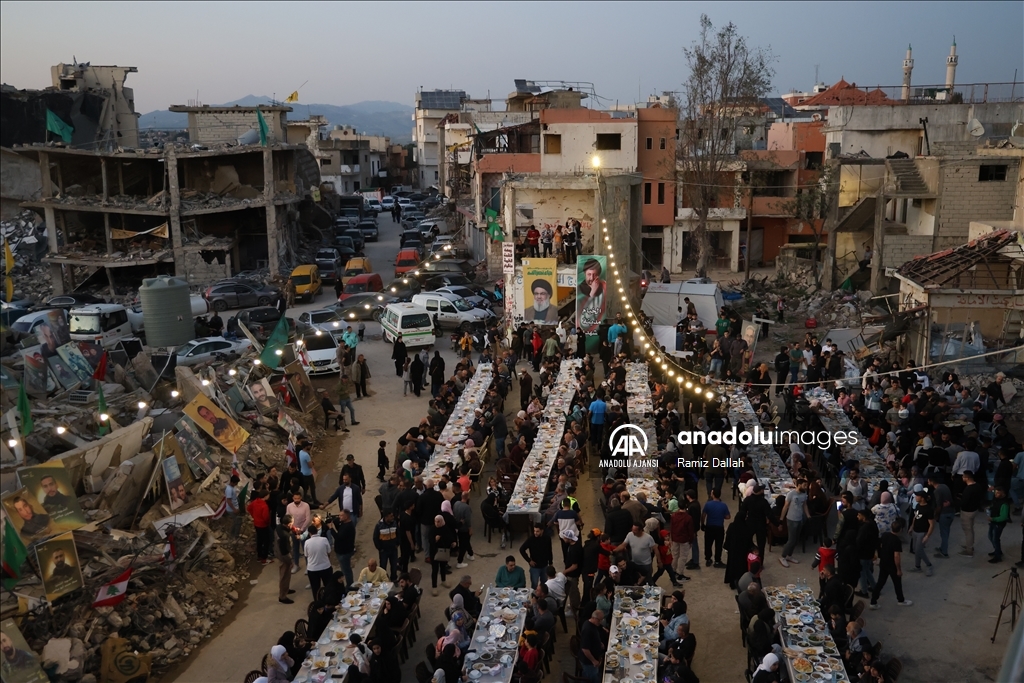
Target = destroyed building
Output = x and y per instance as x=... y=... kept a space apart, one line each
x=199 y=213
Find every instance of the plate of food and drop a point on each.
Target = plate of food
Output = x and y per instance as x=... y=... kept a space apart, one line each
x=801 y=665
x=637 y=657
x=807 y=618
x=497 y=630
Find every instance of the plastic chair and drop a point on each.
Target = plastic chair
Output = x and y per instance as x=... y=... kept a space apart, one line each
x=301 y=629
x=431 y=658
x=268 y=661
x=574 y=648
x=439 y=631
x=422 y=674
x=893 y=669
x=252 y=676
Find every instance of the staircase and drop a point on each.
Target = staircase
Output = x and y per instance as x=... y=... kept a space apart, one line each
x=908 y=180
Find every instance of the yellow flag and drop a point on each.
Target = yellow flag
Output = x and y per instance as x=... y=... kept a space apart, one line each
x=8 y=258
x=9 y=287
x=294 y=97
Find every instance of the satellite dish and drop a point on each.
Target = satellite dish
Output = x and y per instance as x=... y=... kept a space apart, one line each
x=975 y=128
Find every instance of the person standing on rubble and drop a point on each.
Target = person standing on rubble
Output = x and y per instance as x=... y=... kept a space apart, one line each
x=345 y=387
x=231 y=500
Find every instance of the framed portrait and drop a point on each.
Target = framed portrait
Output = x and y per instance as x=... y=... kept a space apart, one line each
x=194 y=447
x=27 y=514
x=215 y=422
x=58 y=564
x=263 y=396
x=50 y=485
x=20 y=663
x=175 y=486
x=301 y=388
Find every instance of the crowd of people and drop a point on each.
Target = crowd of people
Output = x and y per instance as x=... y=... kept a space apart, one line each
x=935 y=472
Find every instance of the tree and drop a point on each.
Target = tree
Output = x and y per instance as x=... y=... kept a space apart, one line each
x=727 y=79
x=813 y=206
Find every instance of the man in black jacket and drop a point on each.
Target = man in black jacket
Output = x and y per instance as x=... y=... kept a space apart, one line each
x=344 y=543
x=756 y=510
x=781 y=369
x=536 y=550
x=284 y=556
x=355 y=471
x=833 y=590
x=867 y=546
x=617 y=521
x=428 y=506
x=349 y=497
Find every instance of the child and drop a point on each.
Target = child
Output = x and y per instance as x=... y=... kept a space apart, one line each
x=407 y=385
x=754 y=562
x=362 y=330
x=382 y=461
x=826 y=554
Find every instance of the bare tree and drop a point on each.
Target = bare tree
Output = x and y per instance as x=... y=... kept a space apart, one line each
x=812 y=206
x=727 y=79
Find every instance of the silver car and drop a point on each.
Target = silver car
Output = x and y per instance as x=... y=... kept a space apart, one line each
x=207 y=348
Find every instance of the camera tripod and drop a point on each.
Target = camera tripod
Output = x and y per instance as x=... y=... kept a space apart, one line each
x=1012 y=598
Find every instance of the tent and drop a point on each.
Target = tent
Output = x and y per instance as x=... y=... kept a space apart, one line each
x=663 y=301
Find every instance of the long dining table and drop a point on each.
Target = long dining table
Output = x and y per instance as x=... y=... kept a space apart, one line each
x=770 y=468
x=632 y=653
x=331 y=656
x=457 y=429
x=494 y=647
x=531 y=486
x=810 y=653
x=640 y=409
x=834 y=419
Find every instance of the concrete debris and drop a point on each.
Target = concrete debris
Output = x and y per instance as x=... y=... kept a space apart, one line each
x=27 y=236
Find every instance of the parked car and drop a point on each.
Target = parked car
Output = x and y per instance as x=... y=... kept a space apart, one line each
x=73 y=300
x=453 y=312
x=320 y=355
x=403 y=288
x=358 y=241
x=29 y=321
x=366 y=282
x=406 y=260
x=356 y=266
x=373 y=205
x=363 y=306
x=260 y=321
x=432 y=227
x=323 y=319
x=308 y=284
x=343 y=244
x=327 y=254
x=411 y=321
x=467 y=294
x=239 y=294
x=407 y=235
x=369 y=230
x=387 y=203
x=411 y=218
x=404 y=202
x=206 y=348
x=446 y=267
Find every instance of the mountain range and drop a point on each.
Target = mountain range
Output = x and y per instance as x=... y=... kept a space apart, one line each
x=372 y=117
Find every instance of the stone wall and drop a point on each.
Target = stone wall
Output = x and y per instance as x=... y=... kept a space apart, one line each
x=965 y=198
x=898 y=249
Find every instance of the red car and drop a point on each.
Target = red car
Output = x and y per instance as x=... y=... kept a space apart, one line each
x=359 y=284
x=407 y=260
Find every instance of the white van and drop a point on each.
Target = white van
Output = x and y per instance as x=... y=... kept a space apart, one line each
x=452 y=310
x=409 y=320
x=103 y=323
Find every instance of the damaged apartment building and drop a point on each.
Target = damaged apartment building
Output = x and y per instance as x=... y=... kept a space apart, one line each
x=203 y=211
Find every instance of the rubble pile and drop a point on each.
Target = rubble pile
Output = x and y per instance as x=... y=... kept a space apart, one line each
x=1013 y=389
x=835 y=309
x=27 y=236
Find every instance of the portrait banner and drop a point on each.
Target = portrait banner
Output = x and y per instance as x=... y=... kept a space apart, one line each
x=63 y=372
x=539 y=285
x=50 y=485
x=289 y=424
x=168 y=445
x=37 y=372
x=58 y=563
x=301 y=388
x=20 y=664
x=28 y=516
x=175 y=486
x=53 y=332
x=73 y=356
x=263 y=396
x=591 y=296
x=215 y=422
x=194 y=446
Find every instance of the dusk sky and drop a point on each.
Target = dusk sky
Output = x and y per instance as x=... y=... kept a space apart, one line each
x=386 y=51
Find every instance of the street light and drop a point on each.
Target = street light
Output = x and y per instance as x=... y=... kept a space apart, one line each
x=595 y=161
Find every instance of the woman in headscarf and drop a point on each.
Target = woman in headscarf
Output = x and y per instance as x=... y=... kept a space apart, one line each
x=319 y=618
x=458 y=606
x=384 y=666
x=297 y=650
x=279 y=671
x=451 y=637
x=394 y=614
x=335 y=589
x=442 y=538
x=416 y=369
x=407 y=472
x=438 y=676
x=761 y=635
x=738 y=540
x=768 y=672
x=450 y=662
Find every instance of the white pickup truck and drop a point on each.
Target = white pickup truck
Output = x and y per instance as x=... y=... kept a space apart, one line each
x=108 y=324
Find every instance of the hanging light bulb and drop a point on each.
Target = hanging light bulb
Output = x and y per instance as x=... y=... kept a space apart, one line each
x=278 y=352
x=709 y=394
x=256 y=361
x=104 y=417
x=689 y=385
x=647 y=346
x=232 y=372
x=61 y=429
x=142 y=405
x=679 y=379
x=175 y=393
x=671 y=373
x=651 y=353
x=12 y=442
x=206 y=382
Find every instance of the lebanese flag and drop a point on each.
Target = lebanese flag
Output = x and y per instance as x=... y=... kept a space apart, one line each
x=221 y=508
x=101 y=369
x=114 y=592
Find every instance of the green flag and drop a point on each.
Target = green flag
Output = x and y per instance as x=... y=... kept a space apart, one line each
x=264 y=130
x=494 y=232
x=271 y=356
x=14 y=556
x=24 y=410
x=56 y=125
x=102 y=408
x=490 y=213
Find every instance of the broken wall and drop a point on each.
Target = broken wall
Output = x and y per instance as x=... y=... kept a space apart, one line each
x=19 y=182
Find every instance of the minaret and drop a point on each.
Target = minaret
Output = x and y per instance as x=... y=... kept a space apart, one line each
x=951 y=61
x=908 y=66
